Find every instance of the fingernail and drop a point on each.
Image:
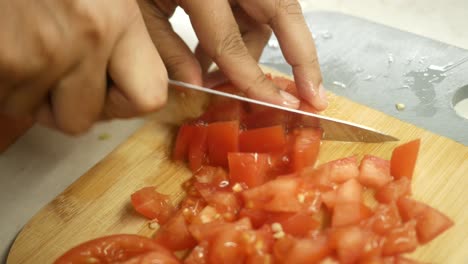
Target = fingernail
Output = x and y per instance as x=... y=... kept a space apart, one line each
x=289 y=99
x=323 y=95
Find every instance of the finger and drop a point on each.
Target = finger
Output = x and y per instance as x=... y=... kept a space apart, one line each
x=45 y=117
x=77 y=100
x=220 y=37
x=179 y=60
x=203 y=59
x=138 y=72
x=288 y=23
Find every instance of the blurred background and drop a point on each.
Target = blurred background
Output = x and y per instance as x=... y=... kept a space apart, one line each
x=42 y=163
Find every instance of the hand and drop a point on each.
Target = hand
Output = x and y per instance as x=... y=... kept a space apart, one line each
x=233 y=33
x=56 y=58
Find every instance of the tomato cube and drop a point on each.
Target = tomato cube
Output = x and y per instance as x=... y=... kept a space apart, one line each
x=262 y=140
x=248 y=168
x=393 y=190
x=222 y=138
x=306 y=147
x=401 y=239
x=152 y=204
x=404 y=158
x=374 y=172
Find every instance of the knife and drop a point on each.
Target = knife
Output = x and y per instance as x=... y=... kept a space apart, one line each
x=333 y=129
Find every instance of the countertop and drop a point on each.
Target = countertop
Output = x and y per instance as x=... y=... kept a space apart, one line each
x=43 y=163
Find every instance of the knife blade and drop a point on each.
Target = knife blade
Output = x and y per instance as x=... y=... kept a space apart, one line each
x=333 y=129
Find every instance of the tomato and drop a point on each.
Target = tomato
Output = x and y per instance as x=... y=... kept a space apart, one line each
x=229 y=110
x=342 y=170
x=372 y=248
x=385 y=218
x=301 y=251
x=248 y=168
x=401 y=239
x=198 y=255
x=115 y=248
x=349 y=192
x=279 y=195
x=306 y=147
x=225 y=203
x=349 y=214
x=403 y=159
x=374 y=172
x=266 y=117
x=329 y=199
x=300 y=224
x=318 y=178
x=223 y=137
x=262 y=140
x=181 y=146
x=151 y=258
x=175 y=234
x=349 y=243
x=197 y=150
x=207 y=230
x=227 y=247
x=393 y=190
x=429 y=222
x=152 y=204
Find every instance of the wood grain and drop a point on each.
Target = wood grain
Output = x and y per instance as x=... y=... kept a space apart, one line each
x=98 y=203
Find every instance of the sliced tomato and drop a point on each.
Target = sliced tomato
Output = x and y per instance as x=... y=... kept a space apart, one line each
x=307 y=250
x=429 y=221
x=223 y=137
x=393 y=190
x=349 y=192
x=181 y=146
x=248 y=168
x=152 y=204
x=374 y=172
x=385 y=218
x=262 y=140
x=306 y=147
x=345 y=214
x=404 y=158
x=175 y=234
x=115 y=248
x=401 y=239
x=349 y=243
x=197 y=150
x=279 y=195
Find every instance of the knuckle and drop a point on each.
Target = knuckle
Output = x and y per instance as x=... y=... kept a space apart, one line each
x=93 y=26
x=230 y=45
x=291 y=7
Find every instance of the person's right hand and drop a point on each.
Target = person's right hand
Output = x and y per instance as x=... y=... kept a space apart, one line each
x=56 y=58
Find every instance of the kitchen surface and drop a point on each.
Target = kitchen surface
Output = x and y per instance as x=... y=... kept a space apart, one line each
x=43 y=163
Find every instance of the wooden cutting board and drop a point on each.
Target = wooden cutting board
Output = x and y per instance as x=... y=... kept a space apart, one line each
x=98 y=203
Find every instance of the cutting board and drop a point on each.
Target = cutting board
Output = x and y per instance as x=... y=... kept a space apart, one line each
x=98 y=203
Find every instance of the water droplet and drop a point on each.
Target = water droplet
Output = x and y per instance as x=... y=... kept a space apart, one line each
x=368 y=78
x=359 y=70
x=273 y=43
x=326 y=34
x=390 y=58
x=426 y=74
x=406 y=86
x=339 y=84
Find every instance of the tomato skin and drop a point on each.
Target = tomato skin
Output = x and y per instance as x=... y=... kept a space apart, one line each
x=111 y=249
x=223 y=137
x=197 y=150
x=181 y=146
x=152 y=204
x=374 y=172
x=393 y=190
x=262 y=140
x=306 y=147
x=175 y=234
x=248 y=168
x=401 y=239
x=403 y=160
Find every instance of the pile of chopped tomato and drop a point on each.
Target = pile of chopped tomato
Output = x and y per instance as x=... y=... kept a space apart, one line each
x=256 y=196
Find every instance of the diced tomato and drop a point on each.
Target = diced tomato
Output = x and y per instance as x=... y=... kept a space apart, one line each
x=341 y=170
x=266 y=117
x=262 y=140
x=152 y=204
x=227 y=247
x=349 y=243
x=223 y=137
x=306 y=147
x=300 y=224
x=213 y=177
x=349 y=192
x=374 y=172
x=429 y=222
x=248 y=168
x=174 y=234
x=181 y=146
x=318 y=178
x=197 y=150
x=226 y=204
x=191 y=206
x=280 y=161
x=329 y=198
x=198 y=255
x=230 y=110
x=393 y=190
x=349 y=214
x=401 y=239
x=152 y=257
x=115 y=248
x=373 y=248
x=207 y=230
x=403 y=159
x=307 y=250
x=258 y=245
x=279 y=195
x=385 y=218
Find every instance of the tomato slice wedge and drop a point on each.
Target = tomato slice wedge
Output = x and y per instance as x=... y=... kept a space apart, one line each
x=306 y=147
x=404 y=158
x=115 y=248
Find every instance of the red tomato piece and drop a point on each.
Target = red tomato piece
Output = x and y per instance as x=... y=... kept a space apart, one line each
x=115 y=248
x=429 y=221
x=198 y=255
x=385 y=218
x=318 y=178
x=404 y=158
x=373 y=248
x=349 y=192
x=227 y=247
x=300 y=224
x=349 y=214
x=279 y=195
x=262 y=140
x=329 y=198
x=401 y=240
x=265 y=117
x=226 y=204
x=393 y=190
x=341 y=170
x=230 y=110
x=197 y=150
x=208 y=230
x=151 y=258
x=223 y=137
x=374 y=172
x=248 y=168
x=152 y=204
x=181 y=146
x=175 y=234
x=349 y=243
x=302 y=251
x=306 y=147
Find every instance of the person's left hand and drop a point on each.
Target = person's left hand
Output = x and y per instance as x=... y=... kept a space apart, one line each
x=233 y=33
